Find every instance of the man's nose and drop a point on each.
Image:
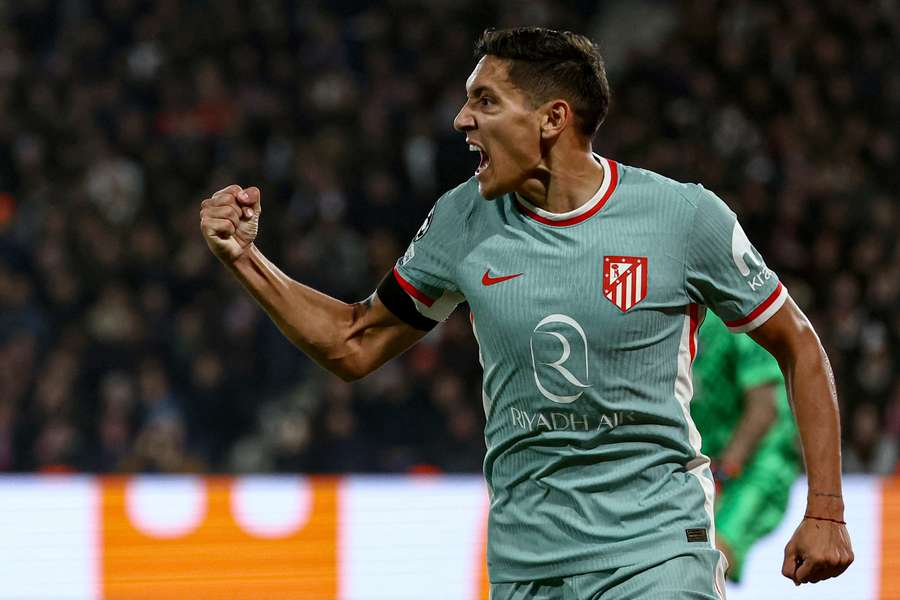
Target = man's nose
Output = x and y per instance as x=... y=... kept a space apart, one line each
x=464 y=120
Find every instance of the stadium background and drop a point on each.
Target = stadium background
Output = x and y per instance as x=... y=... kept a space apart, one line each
x=125 y=348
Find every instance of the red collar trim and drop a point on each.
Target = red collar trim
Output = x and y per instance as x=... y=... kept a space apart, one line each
x=532 y=212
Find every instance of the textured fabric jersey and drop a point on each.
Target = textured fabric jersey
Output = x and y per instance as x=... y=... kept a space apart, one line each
x=586 y=325
x=688 y=576
x=753 y=504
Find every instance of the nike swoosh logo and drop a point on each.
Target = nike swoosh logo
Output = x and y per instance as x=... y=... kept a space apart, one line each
x=488 y=280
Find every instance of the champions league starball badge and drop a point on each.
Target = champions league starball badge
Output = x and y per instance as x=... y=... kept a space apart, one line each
x=424 y=228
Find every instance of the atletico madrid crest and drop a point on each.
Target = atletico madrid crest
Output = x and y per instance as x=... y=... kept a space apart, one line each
x=625 y=280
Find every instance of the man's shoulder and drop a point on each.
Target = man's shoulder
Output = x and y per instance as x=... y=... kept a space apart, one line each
x=452 y=211
x=653 y=185
x=461 y=200
x=466 y=193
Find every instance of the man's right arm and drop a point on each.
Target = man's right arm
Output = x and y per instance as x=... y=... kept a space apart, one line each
x=350 y=340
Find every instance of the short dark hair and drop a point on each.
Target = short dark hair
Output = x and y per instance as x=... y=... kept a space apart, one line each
x=546 y=63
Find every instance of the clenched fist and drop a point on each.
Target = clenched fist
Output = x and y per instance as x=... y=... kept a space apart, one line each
x=818 y=550
x=230 y=220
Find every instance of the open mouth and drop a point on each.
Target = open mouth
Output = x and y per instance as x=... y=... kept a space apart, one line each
x=485 y=159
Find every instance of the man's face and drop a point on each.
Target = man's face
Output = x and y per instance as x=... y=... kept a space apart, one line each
x=499 y=121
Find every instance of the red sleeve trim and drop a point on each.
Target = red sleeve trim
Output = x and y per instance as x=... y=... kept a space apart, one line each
x=411 y=289
x=758 y=310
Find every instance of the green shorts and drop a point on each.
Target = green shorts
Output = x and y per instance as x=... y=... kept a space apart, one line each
x=754 y=504
x=696 y=574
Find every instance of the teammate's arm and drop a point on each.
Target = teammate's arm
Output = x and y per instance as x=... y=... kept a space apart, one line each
x=759 y=414
x=350 y=340
x=820 y=548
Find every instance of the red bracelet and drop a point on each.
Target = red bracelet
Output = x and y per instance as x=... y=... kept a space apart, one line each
x=825 y=519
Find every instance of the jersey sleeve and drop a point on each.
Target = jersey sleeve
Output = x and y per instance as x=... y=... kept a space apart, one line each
x=427 y=270
x=725 y=272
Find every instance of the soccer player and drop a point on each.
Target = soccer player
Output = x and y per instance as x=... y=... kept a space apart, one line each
x=587 y=280
x=741 y=409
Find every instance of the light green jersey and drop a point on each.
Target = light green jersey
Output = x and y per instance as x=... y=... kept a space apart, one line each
x=586 y=323
x=728 y=366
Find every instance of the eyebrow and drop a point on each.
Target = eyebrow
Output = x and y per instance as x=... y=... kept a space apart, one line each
x=480 y=90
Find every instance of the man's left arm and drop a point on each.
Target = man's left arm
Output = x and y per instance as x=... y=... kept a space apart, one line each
x=820 y=547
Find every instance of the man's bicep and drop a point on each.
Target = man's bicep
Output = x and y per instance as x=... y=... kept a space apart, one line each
x=379 y=335
x=394 y=335
x=414 y=296
x=786 y=333
x=755 y=366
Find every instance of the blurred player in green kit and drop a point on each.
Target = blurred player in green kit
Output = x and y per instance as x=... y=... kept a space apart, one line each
x=741 y=408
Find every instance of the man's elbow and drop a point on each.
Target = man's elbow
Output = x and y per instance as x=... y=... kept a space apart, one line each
x=350 y=368
x=348 y=375
x=346 y=356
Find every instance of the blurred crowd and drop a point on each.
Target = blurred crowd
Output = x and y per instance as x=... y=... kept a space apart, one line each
x=124 y=345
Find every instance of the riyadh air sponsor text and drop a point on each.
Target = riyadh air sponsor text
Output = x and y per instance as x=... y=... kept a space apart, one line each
x=566 y=421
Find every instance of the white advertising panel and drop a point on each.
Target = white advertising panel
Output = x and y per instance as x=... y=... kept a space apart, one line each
x=351 y=538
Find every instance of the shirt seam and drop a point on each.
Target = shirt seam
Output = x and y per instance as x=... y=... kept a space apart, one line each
x=687 y=247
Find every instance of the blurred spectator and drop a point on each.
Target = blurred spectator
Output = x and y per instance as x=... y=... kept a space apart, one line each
x=872 y=450
x=124 y=347
x=114 y=429
x=345 y=445
x=161 y=447
x=7 y=435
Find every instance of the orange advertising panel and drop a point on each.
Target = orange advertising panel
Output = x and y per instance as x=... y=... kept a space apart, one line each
x=484 y=583
x=890 y=539
x=223 y=539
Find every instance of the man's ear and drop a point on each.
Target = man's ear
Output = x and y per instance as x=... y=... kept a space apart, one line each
x=556 y=115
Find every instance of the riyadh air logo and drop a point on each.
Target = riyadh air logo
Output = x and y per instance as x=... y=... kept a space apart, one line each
x=553 y=362
x=625 y=280
x=742 y=251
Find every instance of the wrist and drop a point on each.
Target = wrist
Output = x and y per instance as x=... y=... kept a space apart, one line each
x=829 y=520
x=242 y=259
x=729 y=469
x=732 y=461
x=825 y=504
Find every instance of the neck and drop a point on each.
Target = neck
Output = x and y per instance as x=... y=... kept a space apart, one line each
x=563 y=183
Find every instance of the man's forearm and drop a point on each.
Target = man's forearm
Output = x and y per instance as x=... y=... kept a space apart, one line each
x=315 y=322
x=814 y=400
x=350 y=340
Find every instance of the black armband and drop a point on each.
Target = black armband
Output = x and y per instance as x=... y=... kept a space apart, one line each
x=401 y=304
